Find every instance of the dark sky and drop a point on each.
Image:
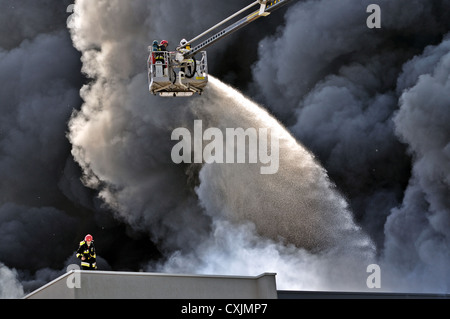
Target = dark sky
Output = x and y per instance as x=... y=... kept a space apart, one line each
x=362 y=116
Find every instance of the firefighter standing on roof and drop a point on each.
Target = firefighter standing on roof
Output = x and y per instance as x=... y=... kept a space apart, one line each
x=86 y=253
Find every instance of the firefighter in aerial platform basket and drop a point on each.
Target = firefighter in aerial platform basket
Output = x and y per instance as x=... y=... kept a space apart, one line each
x=86 y=253
x=184 y=48
x=162 y=47
x=155 y=47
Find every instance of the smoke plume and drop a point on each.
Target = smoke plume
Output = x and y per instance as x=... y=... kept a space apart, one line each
x=417 y=237
x=361 y=115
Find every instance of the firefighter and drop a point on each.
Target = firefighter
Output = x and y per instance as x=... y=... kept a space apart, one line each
x=86 y=253
x=163 y=45
x=155 y=47
x=161 y=56
x=184 y=48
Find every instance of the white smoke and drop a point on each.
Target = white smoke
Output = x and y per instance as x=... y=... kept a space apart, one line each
x=121 y=140
x=10 y=287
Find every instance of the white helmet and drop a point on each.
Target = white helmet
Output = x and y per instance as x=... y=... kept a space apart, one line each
x=183 y=42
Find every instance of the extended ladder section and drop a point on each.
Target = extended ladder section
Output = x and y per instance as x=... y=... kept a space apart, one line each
x=266 y=7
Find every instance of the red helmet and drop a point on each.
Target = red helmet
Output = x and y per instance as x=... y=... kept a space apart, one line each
x=164 y=42
x=88 y=238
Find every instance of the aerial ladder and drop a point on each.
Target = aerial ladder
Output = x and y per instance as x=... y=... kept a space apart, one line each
x=184 y=72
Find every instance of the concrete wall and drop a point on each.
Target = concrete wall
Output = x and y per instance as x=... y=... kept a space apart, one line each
x=136 y=285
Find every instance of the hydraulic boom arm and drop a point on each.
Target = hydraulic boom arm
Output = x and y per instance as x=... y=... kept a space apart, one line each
x=266 y=7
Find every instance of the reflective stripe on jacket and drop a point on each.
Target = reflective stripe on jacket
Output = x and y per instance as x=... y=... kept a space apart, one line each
x=88 y=252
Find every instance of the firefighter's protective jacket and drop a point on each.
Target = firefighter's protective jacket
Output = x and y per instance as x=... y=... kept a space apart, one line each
x=88 y=252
